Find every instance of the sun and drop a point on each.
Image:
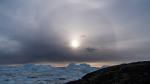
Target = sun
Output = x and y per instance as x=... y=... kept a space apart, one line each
x=74 y=44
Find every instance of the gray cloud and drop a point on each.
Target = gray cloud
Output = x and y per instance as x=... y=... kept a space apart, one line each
x=90 y=49
x=40 y=31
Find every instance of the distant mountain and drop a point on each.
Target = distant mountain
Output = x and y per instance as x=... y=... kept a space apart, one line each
x=132 y=73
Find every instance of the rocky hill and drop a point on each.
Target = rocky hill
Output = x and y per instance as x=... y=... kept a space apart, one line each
x=132 y=73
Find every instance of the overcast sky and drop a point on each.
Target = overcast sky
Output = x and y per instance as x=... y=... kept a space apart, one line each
x=38 y=31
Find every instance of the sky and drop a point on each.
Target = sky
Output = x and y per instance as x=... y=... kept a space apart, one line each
x=106 y=31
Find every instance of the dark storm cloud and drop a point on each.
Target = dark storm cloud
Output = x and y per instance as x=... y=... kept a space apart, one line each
x=90 y=49
x=40 y=31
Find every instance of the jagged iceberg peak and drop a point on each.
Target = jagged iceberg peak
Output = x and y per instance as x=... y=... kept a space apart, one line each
x=74 y=65
x=84 y=68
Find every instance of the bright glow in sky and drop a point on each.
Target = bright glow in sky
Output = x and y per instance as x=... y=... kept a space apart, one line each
x=74 y=44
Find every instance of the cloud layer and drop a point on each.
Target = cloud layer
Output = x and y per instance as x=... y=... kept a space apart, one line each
x=40 y=31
